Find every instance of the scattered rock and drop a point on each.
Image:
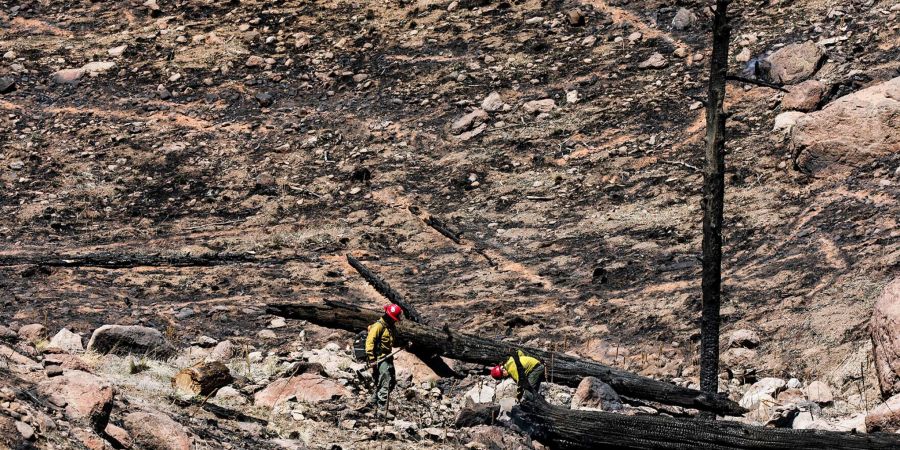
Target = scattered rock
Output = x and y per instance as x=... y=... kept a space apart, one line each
x=655 y=61
x=32 y=333
x=595 y=394
x=255 y=61
x=17 y=165
x=804 y=96
x=25 y=430
x=852 y=131
x=84 y=396
x=265 y=99
x=885 y=338
x=163 y=93
x=539 y=106
x=115 y=52
x=819 y=392
x=130 y=339
x=66 y=341
x=794 y=63
x=157 y=431
x=743 y=338
x=493 y=103
x=572 y=97
x=791 y=395
x=410 y=366
x=7 y=85
x=576 y=18
x=98 y=67
x=743 y=56
x=266 y=334
x=762 y=391
x=67 y=76
x=118 y=436
x=684 y=19
x=277 y=322
x=480 y=394
x=885 y=417
x=307 y=388
x=223 y=351
x=477 y=414
x=465 y=122
x=785 y=122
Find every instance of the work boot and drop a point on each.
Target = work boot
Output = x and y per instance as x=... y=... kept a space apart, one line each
x=383 y=413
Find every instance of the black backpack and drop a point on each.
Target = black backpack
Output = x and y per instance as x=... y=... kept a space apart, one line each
x=359 y=345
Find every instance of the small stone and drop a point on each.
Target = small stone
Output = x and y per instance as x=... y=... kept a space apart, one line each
x=589 y=41
x=743 y=338
x=819 y=392
x=785 y=121
x=33 y=332
x=163 y=93
x=493 y=102
x=67 y=76
x=53 y=371
x=27 y=431
x=266 y=334
x=655 y=61
x=17 y=165
x=804 y=96
x=255 y=61
x=465 y=122
x=278 y=322
x=576 y=18
x=7 y=85
x=539 y=106
x=185 y=313
x=117 y=51
x=97 y=67
x=9 y=55
x=453 y=6
x=683 y=19
x=634 y=37
x=265 y=99
x=572 y=97
x=67 y=341
x=743 y=56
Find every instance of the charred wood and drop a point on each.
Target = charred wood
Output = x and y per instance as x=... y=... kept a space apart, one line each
x=445 y=342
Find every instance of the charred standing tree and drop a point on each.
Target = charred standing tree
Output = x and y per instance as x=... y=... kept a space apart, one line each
x=712 y=203
x=563 y=428
x=567 y=369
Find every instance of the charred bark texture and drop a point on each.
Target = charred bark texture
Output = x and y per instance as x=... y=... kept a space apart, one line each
x=384 y=289
x=440 y=227
x=430 y=359
x=111 y=260
x=567 y=370
x=563 y=428
x=202 y=379
x=219 y=411
x=713 y=199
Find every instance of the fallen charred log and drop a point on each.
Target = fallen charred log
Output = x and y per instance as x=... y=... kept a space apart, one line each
x=430 y=359
x=218 y=411
x=567 y=370
x=202 y=379
x=111 y=260
x=563 y=428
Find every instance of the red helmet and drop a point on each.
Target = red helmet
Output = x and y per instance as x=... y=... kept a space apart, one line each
x=497 y=372
x=393 y=311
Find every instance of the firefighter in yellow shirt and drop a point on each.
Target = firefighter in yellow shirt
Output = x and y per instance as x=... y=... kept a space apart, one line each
x=379 y=341
x=533 y=368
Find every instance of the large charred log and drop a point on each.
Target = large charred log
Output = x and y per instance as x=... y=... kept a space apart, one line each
x=115 y=260
x=567 y=370
x=563 y=428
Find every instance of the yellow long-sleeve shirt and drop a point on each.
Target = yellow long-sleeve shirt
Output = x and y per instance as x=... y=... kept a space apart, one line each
x=528 y=364
x=375 y=350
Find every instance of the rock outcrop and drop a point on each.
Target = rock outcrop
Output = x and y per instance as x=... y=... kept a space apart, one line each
x=885 y=331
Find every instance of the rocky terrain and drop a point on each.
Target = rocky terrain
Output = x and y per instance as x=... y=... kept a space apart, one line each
x=559 y=142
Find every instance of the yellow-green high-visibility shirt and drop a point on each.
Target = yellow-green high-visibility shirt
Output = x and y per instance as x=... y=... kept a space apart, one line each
x=528 y=364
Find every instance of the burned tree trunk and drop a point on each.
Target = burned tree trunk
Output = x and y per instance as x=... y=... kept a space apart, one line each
x=384 y=289
x=563 y=428
x=433 y=361
x=567 y=370
x=713 y=199
x=202 y=379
